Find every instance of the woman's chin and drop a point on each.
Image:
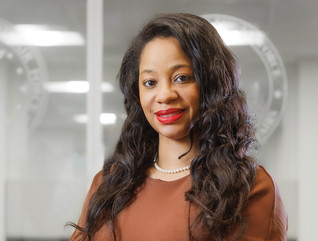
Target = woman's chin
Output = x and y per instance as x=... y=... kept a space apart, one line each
x=174 y=135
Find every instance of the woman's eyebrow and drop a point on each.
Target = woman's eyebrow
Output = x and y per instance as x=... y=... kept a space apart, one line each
x=148 y=71
x=178 y=66
x=174 y=67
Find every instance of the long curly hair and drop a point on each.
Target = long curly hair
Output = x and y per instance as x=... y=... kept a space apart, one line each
x=222 y=173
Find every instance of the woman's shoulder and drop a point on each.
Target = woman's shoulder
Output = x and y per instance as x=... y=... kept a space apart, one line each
x=264 y=211
x=263 y=184
x=265 y=191
x=97 y=180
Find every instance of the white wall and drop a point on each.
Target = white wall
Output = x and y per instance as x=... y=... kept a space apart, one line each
x=280 y=153
x=291 y=153
x=308 y=150
x=2 y=151
x=40 y=204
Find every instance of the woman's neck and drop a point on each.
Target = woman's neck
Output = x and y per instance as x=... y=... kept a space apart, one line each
x=168 y=157
x=170 y=151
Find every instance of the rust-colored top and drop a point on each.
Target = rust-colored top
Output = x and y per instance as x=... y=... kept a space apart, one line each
x=161 y=213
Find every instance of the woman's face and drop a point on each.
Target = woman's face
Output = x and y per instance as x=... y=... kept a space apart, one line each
x=169 y=94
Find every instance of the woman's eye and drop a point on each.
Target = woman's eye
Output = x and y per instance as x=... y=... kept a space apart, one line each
x=182 y=78
x=149 y=83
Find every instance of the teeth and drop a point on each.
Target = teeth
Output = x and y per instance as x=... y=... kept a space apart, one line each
x=169 y=115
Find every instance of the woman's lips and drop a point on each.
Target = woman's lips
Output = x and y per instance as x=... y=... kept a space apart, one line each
x=169 y=116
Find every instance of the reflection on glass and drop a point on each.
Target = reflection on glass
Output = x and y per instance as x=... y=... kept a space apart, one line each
x=264 y=77
x=40 y=64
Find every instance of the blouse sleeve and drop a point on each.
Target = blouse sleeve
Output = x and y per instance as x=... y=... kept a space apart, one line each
x=82 y=220
x=264 y=213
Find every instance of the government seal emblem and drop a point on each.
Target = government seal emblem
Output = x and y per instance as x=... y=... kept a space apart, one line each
x=24 y=72
x=265 y=84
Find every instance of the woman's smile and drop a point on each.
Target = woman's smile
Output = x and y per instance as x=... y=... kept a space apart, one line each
x=169 y=116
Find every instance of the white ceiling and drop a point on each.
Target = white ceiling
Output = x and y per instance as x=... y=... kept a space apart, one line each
x=292 y=25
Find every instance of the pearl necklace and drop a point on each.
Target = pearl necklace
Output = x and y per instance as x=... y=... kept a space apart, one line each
x=181 y=169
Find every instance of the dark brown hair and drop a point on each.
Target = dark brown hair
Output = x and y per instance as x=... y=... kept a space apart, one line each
x=223 y=172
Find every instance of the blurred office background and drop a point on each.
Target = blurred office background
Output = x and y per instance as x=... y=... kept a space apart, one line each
x=61 y=111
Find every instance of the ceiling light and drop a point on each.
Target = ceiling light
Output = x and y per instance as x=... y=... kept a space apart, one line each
x=241 y=37
x=28 y=27
x=105 y=118
x=238 y=37
x=39 y=35
x=75 y=86
x=108 y=118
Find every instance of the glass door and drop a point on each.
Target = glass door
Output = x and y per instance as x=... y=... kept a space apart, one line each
x=43 y=92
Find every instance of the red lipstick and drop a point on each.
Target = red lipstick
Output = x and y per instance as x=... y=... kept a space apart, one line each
x=169 y=116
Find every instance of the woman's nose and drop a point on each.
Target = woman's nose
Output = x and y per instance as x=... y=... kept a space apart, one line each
x=166 y=93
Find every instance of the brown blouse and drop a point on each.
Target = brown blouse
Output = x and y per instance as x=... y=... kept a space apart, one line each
x=161 y=213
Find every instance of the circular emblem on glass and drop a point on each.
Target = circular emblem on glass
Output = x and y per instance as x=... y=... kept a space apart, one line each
x=263 y=75
x=24 y=72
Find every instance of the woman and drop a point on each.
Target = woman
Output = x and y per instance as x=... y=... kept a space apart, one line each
x=180 y=170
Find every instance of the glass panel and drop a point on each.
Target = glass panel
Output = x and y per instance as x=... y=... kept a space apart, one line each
x=113 y=107
x=43 y=86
